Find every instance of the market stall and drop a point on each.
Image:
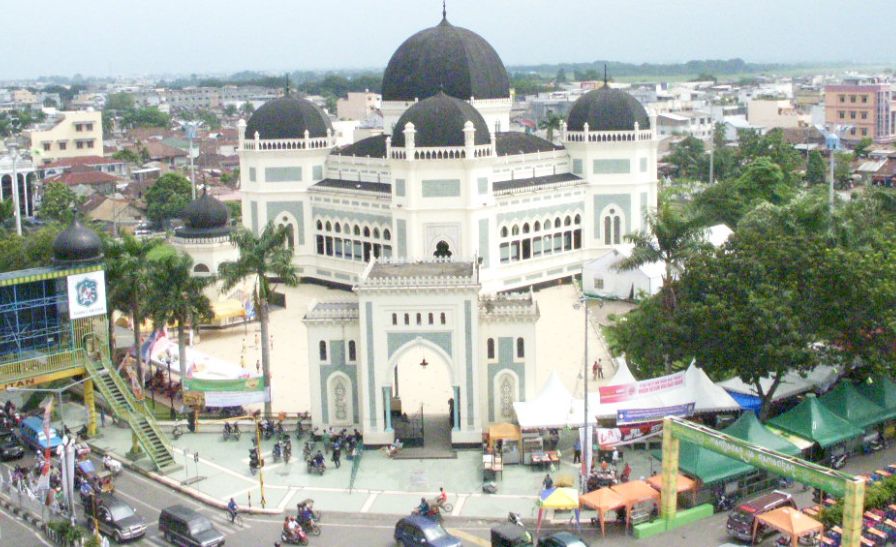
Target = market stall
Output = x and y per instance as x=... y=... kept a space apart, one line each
x=602 y=500
x=557 y=499
x=682 y=484
x=510 y=443
x=788 y=521
x=846 y=401
x=813 y=421
x=882 y=391
x=792 y=384
x=549 y=409
x=641 y=501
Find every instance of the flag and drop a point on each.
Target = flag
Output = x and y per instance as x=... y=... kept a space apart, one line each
x=150 y=344
x=44 y=481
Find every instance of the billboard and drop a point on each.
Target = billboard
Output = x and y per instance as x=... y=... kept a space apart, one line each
x=631 y=391
x=242 y=391
x=641 y=415
x=86 y=294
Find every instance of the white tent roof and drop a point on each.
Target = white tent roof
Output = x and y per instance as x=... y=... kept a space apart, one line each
x=550 y=408
x=821 y=377
x=708 y=396
x=623 y=375
x=717 y=235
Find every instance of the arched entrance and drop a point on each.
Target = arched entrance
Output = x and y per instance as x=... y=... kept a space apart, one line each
x=422 y=395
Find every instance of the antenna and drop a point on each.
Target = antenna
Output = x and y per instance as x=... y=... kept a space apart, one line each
x=287 y=84
x=444 y=11
x=605 y=74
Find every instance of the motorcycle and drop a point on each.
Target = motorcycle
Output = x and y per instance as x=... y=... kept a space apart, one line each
x=287 y=451
x=314 y=467
x=310 y=526
x=226 y=431
x=299 y=537
x=276 y=452
x=515 y=518
x=724 y=503
x=875 y=445
x=177 y=432
x=236 y=432
x=279 y=429
x=253 y=460
x=307 y=451
x=837 y=461
x=267 y=428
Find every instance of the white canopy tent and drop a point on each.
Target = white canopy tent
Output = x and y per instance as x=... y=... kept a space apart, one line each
x=550 y=408
x=623 y=375
x=821 y=378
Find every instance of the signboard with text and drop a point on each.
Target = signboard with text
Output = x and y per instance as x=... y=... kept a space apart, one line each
x=627 y=392
x=86 y=294
x=641 y=415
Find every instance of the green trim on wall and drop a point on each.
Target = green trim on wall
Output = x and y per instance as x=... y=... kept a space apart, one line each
x=401 y=238
x=506 y=361
x=623 y=201
x=468 y=354
x=295 y=208
x=351 y=215
x=399 y=187
x=395 y=340
x=337 y=364
x=283 y=174
x=440 y=188
x=483 y=242
x=371 y=366
x=253 y=213
x=482 y=185
x=549 y=210
x=612 y=167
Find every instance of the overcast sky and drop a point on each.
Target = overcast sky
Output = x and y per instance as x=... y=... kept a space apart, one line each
x=108 y=37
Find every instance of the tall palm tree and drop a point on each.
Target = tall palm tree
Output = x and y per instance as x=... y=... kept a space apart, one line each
x=671 y=238
x=262 y=257
x=551 y=123
x=127 y=272
x=176 y=296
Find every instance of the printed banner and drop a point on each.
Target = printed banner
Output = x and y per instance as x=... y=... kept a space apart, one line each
x=641 y=415
x=625 y=435
x=86 y=295
x=627 y=392
x=242 y=391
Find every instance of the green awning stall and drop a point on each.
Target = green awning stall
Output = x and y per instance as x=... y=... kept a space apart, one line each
x=846 y=401
x=749 y=428
x=881 y=391
x=812 y=420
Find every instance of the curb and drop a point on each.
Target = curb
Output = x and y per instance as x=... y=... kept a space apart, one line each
x=30 y=518
x=175 y=485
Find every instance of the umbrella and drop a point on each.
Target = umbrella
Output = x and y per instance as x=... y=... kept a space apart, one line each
x=602 y=500
x=564 y=499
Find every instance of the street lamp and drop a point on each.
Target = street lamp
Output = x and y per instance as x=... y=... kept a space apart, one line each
x=832 y=141
x=13 y=148
x=586 y=461
x=170 y=391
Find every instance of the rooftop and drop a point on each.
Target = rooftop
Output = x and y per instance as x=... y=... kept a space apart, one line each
x=333 y=310
x=421 y=269
x=532 y=182
x=364 y=186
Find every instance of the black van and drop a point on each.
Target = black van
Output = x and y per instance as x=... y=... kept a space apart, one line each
x=184 y=526
x=115 y=518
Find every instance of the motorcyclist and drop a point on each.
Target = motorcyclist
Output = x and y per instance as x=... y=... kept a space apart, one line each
x=423 y=508
x=306 y=514
x=442 y=497
x=318 y=459
x=276 y=450
x=227 y=429
x=236 y=428
x=231 y=508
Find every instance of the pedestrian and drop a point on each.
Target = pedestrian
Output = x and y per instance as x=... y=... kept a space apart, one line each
x=326 y=439
x=600 y=368
x=102 y=416
x=256 y=339
x=577 y=451
x=615 y=457
x=548 y=482
x=358 y=437
x=594 y=371
x=337 y=455
x=258 y=366
x=271 y=341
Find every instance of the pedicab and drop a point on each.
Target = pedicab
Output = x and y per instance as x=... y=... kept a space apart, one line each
x=98 y=481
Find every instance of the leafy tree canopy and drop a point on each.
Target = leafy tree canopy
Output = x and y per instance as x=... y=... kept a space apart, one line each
x=167 y=197
x=59 y=203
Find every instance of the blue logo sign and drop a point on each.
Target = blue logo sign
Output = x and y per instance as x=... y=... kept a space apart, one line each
x=86 y=293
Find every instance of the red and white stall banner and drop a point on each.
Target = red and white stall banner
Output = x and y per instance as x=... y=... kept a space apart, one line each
x=628 y=392
x=614 y=436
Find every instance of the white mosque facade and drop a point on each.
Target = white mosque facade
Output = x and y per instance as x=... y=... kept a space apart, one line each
x=431 y=221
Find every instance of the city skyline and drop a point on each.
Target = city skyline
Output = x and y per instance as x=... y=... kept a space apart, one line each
x=164 y=38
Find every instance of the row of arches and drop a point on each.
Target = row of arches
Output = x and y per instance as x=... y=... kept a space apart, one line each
x=355 y=230
x=537 y=226
x=533 y=239
x=430 y=318
x=352 y=241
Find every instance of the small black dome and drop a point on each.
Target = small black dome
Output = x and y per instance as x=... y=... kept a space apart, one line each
x=607 y=109
x=205 y=216
x=439 y=121
x=77 y=243
x=288 y=118
x=445 y=57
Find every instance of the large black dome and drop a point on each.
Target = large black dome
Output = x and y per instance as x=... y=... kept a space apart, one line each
x=439 y=121
x=607 y=109
x=77 y=243
x=288 y=118
x=205 y=216
x=445 y=57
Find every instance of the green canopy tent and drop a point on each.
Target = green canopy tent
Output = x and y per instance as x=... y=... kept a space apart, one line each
x=749 y=428
x=812 y=420
x=881 y=391
x=846 y=401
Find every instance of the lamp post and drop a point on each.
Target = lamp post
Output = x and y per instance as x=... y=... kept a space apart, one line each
x=832 y=141
x=586 y=444
x=170 y=391
x=13 y=148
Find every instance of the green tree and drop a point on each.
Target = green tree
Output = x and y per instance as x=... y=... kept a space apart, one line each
x=176 y=296
x=688 y=157
x=7 y=212
x=59 y=203
x=247 y=108
x=550 y=123
x=815 y=171
x=561 y=76
x=863 y=147
x=120 y=102
x=230 y=111
x=842 y=169
x=128 y=275
x=128 y=155
x=145 y=117
x=261 y=258
x=167 y=197
x=236 y=210
x=723 y=156
x=647 y=336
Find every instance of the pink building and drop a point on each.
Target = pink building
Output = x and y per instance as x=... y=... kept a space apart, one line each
x=869 y=107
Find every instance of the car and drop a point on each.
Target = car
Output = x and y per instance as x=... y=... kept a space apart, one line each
x=419 y=530
x=563 y=539
x=32 y=433
x=115 y=518
x=183 y=526
x=10 y=449
x=740 y=521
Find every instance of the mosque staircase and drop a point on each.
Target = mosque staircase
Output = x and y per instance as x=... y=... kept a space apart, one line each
x=126 y=407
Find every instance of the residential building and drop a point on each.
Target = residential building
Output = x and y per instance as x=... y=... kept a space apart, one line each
x=358 y=105
x=194 y=98
x=108 y=165
x=68 y=134
x=694 y=124
x=774 y=113
x=88 y=179
x=868 y=107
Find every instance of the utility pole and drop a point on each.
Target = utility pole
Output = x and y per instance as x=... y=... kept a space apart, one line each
x=13 y=148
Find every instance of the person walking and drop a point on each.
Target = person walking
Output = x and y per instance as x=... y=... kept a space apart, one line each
x=600 y=369
x=258 y=366
x=326 y=439
x=577 y=451
x=102 y=416
x=337 y=454
x=594 y=369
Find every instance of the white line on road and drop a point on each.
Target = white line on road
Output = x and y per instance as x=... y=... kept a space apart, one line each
x=26 y=527
x=287 y=498
x=369 y=502
x=216 y=466
x=461 y=500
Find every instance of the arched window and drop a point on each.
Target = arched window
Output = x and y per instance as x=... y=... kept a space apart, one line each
x=442 y=317
x=617 y=230
x=200 y=268
x=357 y=231
x=345 y=228
x=503 y=231
x=387 y=235
x=419 y=319
x=547 y=224
x=322 y=350
x=407 y=319
x=526 y=228
x=442 y=250
x=376 y=233
x=520 y=348
x=567 y=221
x=290 y=236
x=394 y=318
x=608 y=236
x=490 y=348
x=337 y=228
x=328 y=226
x=320 y=225
x=557 y=222
x=515 y=230
x=352 y=352
x=366 y=231
x=430 y=318
x=536 y=227
x=578 y=219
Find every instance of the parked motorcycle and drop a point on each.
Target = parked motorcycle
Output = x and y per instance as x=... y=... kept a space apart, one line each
x=276 y=452
x=837 y=461
x=724 y=503
x=253 y=460
x=299 y=537
x=177 y=432
x=515 y=518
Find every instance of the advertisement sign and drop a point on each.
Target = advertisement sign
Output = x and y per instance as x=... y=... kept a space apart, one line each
x=640 y=415
x=612 y=436
x=86 y=295
x=242 y=391
x=627 y=392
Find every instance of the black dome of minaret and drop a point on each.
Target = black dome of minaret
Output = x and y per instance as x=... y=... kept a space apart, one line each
x=439 y=121
x=606 y=109
x=288 y=117
x=449 y=57
x=205 y=216
x=77 y=243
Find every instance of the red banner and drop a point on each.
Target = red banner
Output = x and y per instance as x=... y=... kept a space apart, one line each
x=628 y=392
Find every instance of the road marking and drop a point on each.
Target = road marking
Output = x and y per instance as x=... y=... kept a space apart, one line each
x=461 y=500
x=137 y=500
x=469 y=537
x=287 y=498
x=155 y=540
x=26 y=527
x=216 y=466
x=369 y=502
x=163 y=488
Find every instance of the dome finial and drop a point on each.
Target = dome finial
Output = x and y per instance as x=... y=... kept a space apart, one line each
x=444 y=11
x=287 y=84
x=605 y=74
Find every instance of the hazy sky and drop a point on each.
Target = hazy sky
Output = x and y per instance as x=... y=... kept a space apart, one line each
x=103 y=37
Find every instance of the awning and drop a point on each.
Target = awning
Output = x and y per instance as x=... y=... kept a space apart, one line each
x=227 y=309
x=789 y=521
x=799 y=442
x=602 y=500
x=635 y=492
x=505 y=432
x=812 y=420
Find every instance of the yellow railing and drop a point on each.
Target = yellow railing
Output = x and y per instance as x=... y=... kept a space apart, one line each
x=41 y=365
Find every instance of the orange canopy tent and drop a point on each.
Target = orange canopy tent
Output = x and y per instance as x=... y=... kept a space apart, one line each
x=790 y=521
x=506 y=432
x=602 y=500
x=635 y=492
x=682 y=484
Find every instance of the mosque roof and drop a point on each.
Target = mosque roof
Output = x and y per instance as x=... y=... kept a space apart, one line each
x=607 y=109
x=439 y=121
x=287 y=118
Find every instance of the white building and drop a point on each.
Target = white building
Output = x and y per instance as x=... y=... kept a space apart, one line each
x=358 y=105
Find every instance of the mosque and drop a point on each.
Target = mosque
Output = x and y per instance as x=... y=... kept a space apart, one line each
x=439 y=225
